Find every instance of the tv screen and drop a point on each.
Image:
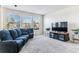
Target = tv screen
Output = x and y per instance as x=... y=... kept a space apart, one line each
x=60 y=26
x=53 y=28
x=64 y=29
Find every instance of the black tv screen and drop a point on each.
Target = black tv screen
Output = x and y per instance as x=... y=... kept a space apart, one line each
x=60 y=26
x=64 y=29
x=53 y=28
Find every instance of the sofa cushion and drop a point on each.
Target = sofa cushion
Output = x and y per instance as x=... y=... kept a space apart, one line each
x=30 y=30
x=13 y=34
x=24 y=31
x=24 y=38
x=5 y=35
x=18 y=32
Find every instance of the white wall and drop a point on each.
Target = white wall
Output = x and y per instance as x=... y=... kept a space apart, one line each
x=70 y=14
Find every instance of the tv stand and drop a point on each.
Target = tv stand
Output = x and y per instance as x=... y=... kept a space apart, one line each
x=63 y=36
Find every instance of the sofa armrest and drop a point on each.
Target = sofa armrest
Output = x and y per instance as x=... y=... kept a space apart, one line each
x=31 y=35
x=8 y=47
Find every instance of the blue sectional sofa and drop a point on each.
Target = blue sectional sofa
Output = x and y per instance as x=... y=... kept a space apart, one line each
x=11 y=41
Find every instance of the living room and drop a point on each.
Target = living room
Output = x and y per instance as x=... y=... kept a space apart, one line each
x=39 y=29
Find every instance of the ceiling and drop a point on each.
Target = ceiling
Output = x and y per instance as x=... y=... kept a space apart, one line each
x=39 y=9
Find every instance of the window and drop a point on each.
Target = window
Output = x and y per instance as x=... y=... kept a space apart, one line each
x=13 y=21
x=27 y=22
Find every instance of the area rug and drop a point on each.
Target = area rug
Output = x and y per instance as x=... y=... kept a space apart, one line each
x=44 y=44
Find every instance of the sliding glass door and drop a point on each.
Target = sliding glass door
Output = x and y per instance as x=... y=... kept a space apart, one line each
x=38 y=24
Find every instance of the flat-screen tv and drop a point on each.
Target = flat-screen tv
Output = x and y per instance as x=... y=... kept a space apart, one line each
x=63 y=29
x=60 y=26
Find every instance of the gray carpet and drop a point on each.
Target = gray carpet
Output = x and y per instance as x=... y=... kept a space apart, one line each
x=42 y=44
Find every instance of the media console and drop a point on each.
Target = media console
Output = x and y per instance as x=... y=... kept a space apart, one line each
x=59 y=31
x=63 y=36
